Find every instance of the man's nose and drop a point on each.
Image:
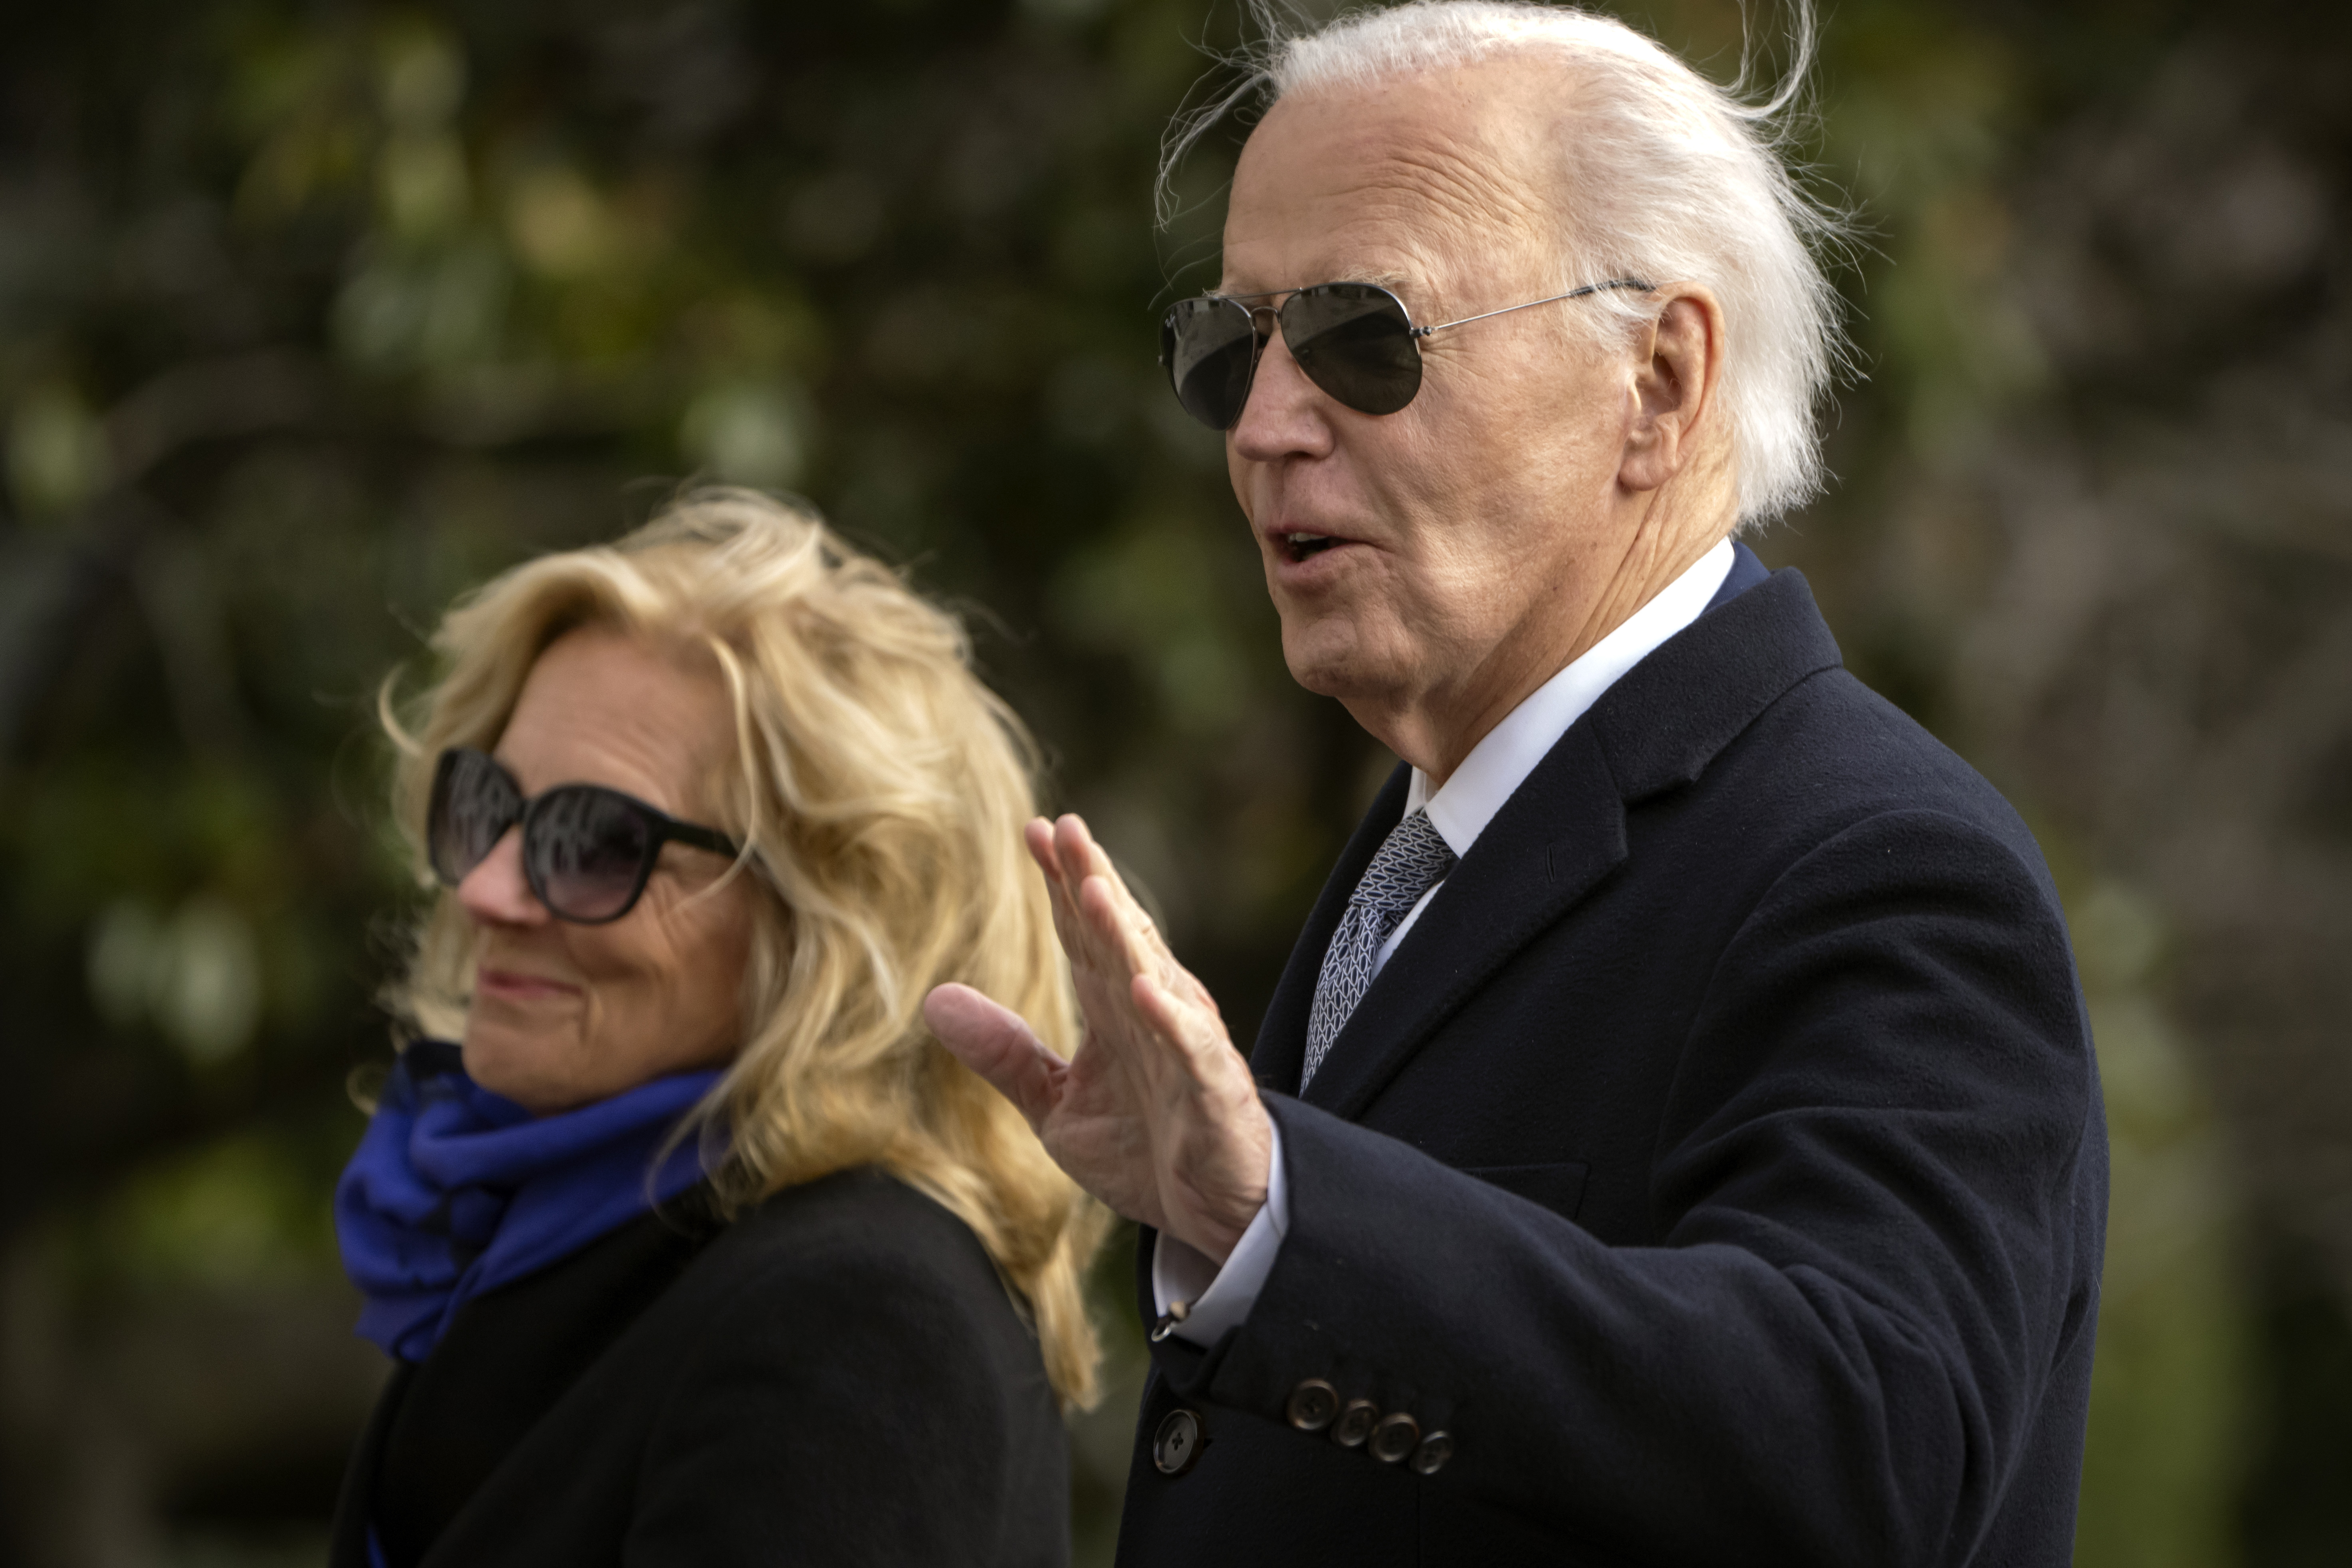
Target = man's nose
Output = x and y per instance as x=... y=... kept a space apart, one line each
x=496 y=892
x=1287 y=415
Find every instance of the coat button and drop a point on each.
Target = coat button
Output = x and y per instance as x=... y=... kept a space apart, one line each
x=1178 y=1443
x=1393 y=1439
x=1434 y=1450
x=1312 y=1405
x=1355 y=1420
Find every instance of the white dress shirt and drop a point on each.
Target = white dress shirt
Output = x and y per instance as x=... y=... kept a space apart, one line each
x=1459 y=810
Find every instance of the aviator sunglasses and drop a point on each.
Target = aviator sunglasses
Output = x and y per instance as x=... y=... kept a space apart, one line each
x=1355 y=340
x=587 y=851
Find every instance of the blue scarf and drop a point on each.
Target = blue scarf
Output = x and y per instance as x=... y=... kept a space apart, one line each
x=455 y=1191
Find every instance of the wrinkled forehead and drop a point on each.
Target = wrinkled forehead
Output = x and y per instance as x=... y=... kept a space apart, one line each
x=1434 y=184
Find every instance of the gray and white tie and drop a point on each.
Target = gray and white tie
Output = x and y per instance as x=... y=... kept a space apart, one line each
x=1411 y=860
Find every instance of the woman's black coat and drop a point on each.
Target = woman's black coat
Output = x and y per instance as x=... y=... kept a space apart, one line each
x=839 y=1376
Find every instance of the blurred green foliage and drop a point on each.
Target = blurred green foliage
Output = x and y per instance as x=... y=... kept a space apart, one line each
x=2170 y=1389
x=313 y=315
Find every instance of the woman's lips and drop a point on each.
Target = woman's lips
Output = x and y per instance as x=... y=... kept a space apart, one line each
x=515 y=988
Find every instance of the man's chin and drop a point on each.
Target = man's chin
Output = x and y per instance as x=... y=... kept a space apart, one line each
x=1332 y=660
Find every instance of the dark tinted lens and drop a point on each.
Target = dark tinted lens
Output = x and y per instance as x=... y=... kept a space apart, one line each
x=586 y=850
x=1210 y=346
x=1355 y=341
x=473 y=803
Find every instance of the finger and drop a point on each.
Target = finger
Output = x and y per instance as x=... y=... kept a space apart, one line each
x=1072 y=838
x=1187 y=985
x=1118 y=920
x=1112 y=922
x=1117 y=937
x=1060 y=888
x=1083 y=861
x=1142 y=943
x=1083 y=857
x=996 y=1043
x=1130 y=940
x=1194 y=1030
x=1039 y=837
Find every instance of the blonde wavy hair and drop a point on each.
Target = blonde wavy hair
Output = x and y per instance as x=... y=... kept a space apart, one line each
x=880 y=790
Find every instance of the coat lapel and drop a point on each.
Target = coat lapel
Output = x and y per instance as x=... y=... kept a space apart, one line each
x=1558 y=836
x=1555 y=841
x=1281 y=1049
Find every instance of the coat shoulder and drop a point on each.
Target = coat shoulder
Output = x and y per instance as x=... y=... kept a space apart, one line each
x=1751 y=705
x=828 y=1245
x=1834 y=748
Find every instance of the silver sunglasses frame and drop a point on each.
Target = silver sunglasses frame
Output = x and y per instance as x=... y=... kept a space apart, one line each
x=1412 y=334
x=1418 y=333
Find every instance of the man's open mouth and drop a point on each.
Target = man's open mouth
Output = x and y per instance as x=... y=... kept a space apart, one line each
x=1299 y=546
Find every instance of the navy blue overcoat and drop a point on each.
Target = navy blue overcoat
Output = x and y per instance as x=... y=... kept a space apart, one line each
x=1719 y=1162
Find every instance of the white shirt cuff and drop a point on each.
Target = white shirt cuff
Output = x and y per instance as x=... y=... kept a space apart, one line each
x=1222 y=1297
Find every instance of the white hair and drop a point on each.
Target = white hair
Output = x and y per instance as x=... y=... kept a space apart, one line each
x=1667 y=177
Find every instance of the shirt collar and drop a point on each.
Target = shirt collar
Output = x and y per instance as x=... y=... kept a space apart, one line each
x=1501 y=761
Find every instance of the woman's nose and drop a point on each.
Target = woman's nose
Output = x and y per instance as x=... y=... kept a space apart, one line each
x=496 y=892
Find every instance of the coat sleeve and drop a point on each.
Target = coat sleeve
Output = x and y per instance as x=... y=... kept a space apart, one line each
x=1879 y=1195
x=844 y=1407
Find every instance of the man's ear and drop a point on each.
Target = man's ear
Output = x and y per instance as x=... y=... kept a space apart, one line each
x=1677 y=363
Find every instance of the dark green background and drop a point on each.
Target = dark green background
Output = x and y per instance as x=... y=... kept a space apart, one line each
x=312 y=315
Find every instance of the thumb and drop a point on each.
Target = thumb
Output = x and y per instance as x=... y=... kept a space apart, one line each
x=996 y=1043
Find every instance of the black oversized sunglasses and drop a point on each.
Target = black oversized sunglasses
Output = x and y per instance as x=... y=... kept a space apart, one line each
x=587 y=851
x=1355 y=340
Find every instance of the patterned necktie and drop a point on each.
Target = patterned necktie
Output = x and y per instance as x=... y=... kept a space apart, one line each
x=1411 y=860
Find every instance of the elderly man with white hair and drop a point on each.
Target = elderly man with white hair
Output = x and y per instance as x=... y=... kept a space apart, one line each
x=1676 y=1138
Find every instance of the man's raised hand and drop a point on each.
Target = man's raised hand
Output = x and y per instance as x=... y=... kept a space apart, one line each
x=1156 y=1114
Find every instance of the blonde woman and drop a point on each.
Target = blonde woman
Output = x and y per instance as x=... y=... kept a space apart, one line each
x=689 y=1244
